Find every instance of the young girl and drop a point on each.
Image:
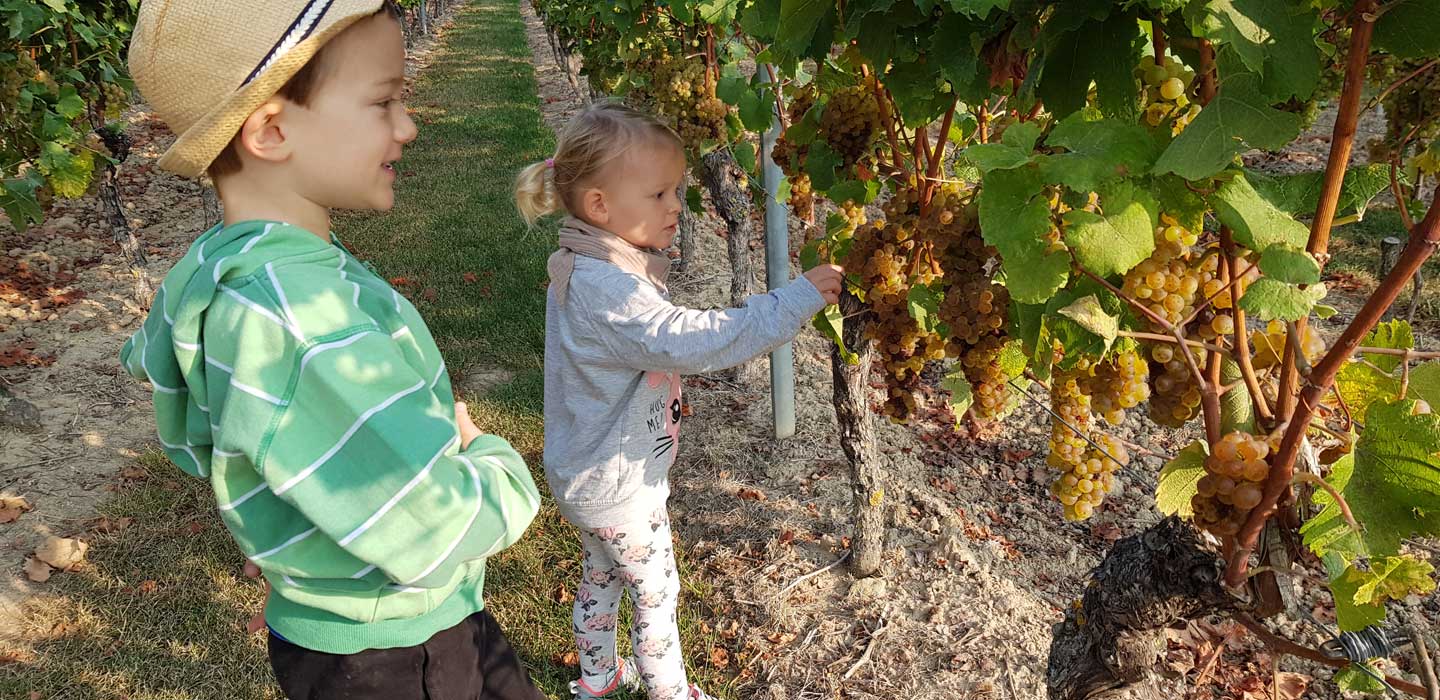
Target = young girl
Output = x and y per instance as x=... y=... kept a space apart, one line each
x=615 y=348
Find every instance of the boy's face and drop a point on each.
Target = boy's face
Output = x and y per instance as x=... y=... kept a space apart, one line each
x=640 y=197
x=345 y=143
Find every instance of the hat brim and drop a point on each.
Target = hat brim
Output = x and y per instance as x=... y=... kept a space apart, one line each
x=196 y=148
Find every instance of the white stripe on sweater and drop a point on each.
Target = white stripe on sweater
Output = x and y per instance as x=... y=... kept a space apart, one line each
x=284 y=302
x=281 y=547
x=404 y=490
x=334 y=345
x=263 y=312
x=247 y=496
x=479 y=506
x=307 y=471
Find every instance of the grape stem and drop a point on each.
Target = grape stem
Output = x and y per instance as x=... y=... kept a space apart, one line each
x=1405 y=217
x=1230 y=286
x=1241 y=338
x=936 y=157
x=1292 y=338
x=1287 y=646
x=888 y=120
x=1308 y=478
x=1066 y=423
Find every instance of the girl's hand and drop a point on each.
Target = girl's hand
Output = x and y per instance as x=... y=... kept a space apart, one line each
x=468 y=431
x=828 y=280
x=256 y=621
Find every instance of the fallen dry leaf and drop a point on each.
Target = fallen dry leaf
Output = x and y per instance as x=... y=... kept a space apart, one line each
x=569 y=658
x=12 y=507
x=787 y=537
x=147 y=587
x=751 y=495
x=719 y=658
x=105 y=526
x=686 y=410
x=469 y=277
x=1293 y=685
x=780 y=638
x=61 y=552
x=133 y=473
x=562 y=595
x=36 y=570
x=429 y=294
x=1014 y=456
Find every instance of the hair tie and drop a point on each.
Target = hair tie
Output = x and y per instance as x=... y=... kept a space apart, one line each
x=550 y=163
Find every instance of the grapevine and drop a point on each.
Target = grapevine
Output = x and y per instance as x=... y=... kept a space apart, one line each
x=1035 y=216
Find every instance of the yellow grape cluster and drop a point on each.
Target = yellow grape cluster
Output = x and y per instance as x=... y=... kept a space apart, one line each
x=1268 y=346
x=682 y=94
x=1233 y=484
x=791 y=159
x=974 y=308
x=1166 y=97
x=851 y=121
x=1174 y=395
x=1168 y=281
x=884 y=257
x=1115 y=384
x=1086 y=473
x=854 y=215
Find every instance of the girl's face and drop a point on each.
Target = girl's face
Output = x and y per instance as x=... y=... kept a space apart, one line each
x=639 y=199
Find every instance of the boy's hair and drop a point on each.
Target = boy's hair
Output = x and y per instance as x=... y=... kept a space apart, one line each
x=299 y=89
x=599 y=134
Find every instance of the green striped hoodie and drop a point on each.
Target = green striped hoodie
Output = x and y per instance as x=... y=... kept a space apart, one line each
x=312 y=397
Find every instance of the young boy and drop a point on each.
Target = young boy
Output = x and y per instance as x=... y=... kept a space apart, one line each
x=300 y=384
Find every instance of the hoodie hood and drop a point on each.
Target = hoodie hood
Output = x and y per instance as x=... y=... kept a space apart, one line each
x=168 y=350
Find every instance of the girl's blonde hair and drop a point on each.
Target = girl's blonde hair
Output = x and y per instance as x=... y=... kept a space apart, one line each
x=593 y=138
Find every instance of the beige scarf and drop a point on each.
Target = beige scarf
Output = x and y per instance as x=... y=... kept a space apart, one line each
x=580 y=238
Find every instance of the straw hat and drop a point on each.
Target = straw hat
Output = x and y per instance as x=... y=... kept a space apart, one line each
x=206 y=65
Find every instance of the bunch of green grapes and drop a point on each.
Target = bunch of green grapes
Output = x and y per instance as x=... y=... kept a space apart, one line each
x=1416 y=101
x=851 y=121
x=1169 y=281
x=1115 y=384
x=853 y=215
x=1233 y=484
x=791 y=159
x=681 y=93
x=974 y=307
x=1086 y=473
x=1267 y=347
x=1174 y=393
x=883 y=256
x=1166 y=97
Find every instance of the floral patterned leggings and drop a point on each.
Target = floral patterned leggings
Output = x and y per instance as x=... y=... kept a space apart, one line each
x=638 y=558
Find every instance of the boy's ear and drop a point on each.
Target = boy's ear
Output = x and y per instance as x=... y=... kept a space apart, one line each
x=262 y=135
x=594 y=207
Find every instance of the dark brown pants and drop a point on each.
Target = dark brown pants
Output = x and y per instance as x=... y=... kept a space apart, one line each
x=470 y=661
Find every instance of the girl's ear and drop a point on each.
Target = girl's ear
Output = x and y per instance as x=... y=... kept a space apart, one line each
x=594 y=206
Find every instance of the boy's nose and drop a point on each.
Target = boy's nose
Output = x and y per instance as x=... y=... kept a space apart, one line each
x=406 y=130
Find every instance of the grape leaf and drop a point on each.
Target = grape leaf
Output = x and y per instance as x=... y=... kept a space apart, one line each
x=820 y=165
x=1361 y=385
x=1299 y=194
x=1409 y=29
x=1352 y=614
x=1016 y=148
x=978 y=8
x=1392 y=484
x=1254 y=29
x=757 y=109
x=1425 y=383
x=955 y=46
x=830 y=322
x=1096 y=151
x=1179 y=479
x=1238 y=117
x=1237 y=409
x=1395 y=334
x=731 y=87
x=1104 y=52
x=1392 y=578
x=1180 y=201
x=1090 y=315
x=1256 y=223
x=718 y=12
x=798 y=23
x=1013 y=215
x=1040 y=274
x=1269 y=299
x=17 y=198
x=760 y=19
x=1327 y=533
x=1289 y=264
x=1353 y=679
x=962 y=396
x=859 y=191
x=923 y=303
x=1113 y=242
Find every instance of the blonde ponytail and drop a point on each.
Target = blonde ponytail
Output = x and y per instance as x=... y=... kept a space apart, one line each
x=594 y=138
x=535 y=194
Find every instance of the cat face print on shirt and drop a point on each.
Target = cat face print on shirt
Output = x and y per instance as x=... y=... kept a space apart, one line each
x=663 y=420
